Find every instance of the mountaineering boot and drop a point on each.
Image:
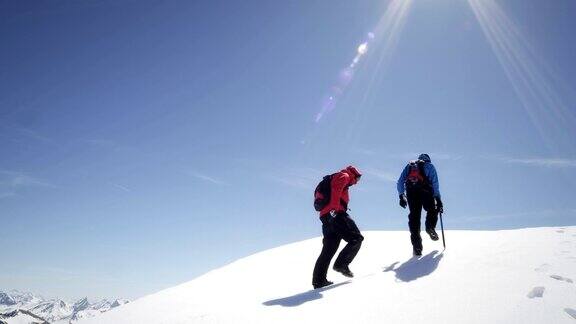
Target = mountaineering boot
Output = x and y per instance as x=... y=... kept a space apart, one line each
x=321 y=284
x=432 y=233
x=345 y=271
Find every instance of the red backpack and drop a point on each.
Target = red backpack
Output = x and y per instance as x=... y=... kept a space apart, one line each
x=416 y=177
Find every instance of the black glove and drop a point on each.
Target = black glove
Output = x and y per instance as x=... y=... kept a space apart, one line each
x=403 y=202
x=439 y=205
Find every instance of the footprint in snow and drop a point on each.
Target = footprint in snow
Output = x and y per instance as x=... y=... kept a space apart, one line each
x=543 y=267
x=557 y=277
x=536 y=292
x=570 y=312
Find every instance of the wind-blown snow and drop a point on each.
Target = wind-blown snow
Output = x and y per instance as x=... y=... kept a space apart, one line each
x=514 y=276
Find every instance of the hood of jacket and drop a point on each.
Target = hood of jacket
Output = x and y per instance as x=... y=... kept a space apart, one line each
x=424 y=157
x=353 y=174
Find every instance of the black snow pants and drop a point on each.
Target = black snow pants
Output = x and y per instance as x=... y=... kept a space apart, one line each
x=335 y=229
x=418 y=199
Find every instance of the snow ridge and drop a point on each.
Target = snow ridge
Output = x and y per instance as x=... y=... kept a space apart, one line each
x=514 y=276
x=21 y=316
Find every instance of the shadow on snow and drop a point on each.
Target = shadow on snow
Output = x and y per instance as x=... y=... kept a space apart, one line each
x=410 y=270
x=416 y=267
x=301 y=298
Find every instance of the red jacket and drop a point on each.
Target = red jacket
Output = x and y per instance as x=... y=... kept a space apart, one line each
x=339 y=186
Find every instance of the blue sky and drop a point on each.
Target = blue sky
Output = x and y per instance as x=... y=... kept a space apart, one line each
x=147 y=142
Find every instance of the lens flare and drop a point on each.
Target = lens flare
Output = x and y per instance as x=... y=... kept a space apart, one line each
x=381 y=41
x=362 y=48
x=345 y=78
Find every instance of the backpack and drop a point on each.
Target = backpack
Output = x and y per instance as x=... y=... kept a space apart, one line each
x=416 y=178
x=322 y=193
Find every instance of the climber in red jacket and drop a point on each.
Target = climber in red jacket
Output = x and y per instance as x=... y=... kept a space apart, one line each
x=337 y=225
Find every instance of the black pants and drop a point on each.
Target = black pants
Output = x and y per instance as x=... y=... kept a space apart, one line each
x=335 y=229
x=418 y=199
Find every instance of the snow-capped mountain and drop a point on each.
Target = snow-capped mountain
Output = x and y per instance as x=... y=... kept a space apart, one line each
x=119 y=302
x=21 y=316
x=6 y=299
x=514 y=276
x=102 y=306
x=87 y=310
x=81 y=305
x=14 y=299
x=16 y=307
x=52 y=310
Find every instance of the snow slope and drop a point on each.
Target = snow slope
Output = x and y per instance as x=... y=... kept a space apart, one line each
x=514 y=276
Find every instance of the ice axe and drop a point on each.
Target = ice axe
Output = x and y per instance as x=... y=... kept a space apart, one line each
x=442 y=228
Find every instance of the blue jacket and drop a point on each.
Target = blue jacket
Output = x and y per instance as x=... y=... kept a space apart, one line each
x=429 y=172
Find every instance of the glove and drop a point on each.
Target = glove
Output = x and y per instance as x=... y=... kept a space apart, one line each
x=439 y=205
x=403 y=202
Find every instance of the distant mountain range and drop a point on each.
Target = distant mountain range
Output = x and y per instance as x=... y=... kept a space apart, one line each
x=25 y=307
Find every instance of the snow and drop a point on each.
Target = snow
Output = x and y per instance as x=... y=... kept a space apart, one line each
x=119 y=302
x=87 y=313
x=14 y=300
x=53 y=310
x=96 y=309
x=81 y=305
x=21 y=317
x=512 y=276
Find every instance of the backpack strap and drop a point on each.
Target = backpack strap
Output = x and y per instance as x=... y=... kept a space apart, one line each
x=426 y=181
x=420 y=165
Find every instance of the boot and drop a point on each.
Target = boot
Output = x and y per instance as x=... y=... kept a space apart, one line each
x=345 y=271
x=432 y=233
x=321 y=284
